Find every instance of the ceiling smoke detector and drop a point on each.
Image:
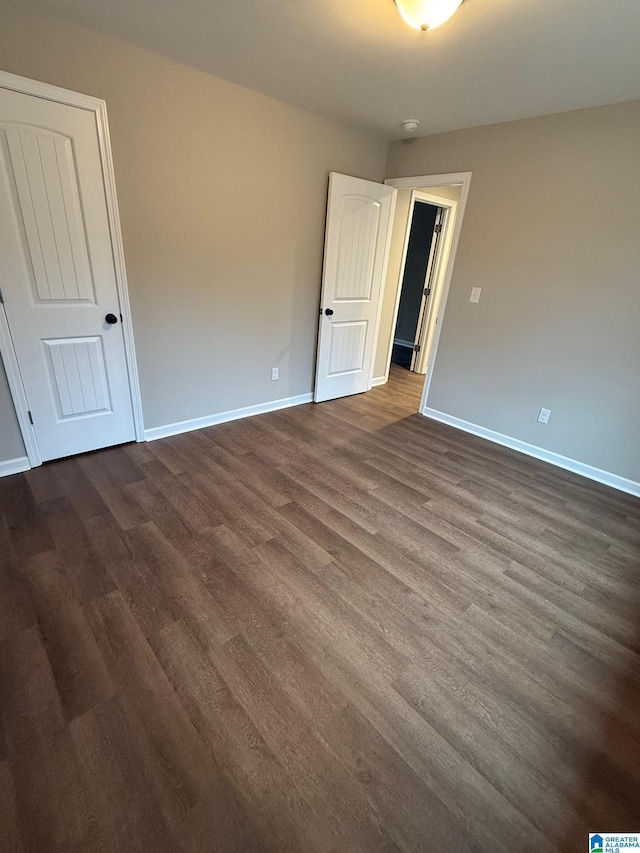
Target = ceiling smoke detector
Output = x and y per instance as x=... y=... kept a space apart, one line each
x=410 y=125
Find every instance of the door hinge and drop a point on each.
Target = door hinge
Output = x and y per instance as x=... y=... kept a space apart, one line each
x=438 y=228
x=30 y=418
x=416 y=348
x=1 y=297
x=427 y=291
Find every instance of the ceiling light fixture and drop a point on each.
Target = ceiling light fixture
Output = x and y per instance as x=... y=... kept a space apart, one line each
x=426 y=14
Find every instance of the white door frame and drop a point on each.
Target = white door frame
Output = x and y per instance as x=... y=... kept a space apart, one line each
x=99 y=108
x=439 y=299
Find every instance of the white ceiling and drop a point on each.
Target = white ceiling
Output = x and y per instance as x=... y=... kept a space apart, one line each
x=356 y=60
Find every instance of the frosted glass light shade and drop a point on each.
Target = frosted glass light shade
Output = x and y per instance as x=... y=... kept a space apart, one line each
x=426 y=14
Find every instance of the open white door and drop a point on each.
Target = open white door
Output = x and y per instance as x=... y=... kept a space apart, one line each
x=359 y=220
x=58 y=277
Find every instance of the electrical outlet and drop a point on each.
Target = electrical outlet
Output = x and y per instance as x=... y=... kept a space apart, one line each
x=275 y=373
x=543 y=416
x=475 y=294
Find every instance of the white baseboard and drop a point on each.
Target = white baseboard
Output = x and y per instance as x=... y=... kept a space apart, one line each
x=14 y=466
x=379 y=380
x=597 y=474
x=399 y=342
x=223 y=417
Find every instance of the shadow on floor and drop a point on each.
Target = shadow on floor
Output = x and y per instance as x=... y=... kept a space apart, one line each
x=401 y=356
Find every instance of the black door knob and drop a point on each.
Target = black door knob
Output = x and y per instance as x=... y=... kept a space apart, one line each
x=328 y=311
x=111 y=319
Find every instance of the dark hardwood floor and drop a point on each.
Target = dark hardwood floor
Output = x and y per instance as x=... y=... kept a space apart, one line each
x=339 y=627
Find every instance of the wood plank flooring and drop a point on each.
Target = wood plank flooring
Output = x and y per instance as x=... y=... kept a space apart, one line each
x=339 y=627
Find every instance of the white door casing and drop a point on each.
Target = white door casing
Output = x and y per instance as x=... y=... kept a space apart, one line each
x=358 y=231
x=58 y=276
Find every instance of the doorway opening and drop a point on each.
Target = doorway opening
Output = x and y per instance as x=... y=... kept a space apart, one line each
x=416 y=282
x=423 y=243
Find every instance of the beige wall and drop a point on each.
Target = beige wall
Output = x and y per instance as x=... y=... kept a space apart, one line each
x=392 y=281
x=222 y=198
x=551 y=234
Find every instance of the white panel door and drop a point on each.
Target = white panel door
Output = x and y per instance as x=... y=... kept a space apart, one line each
x=57 y=276
x=359 y=220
